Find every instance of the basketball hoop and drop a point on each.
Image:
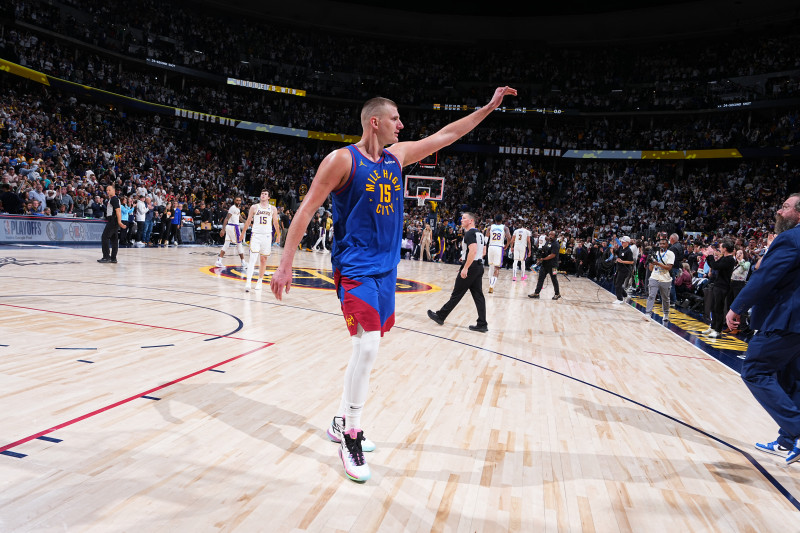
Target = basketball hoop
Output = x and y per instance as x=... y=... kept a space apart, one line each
x=424 y=189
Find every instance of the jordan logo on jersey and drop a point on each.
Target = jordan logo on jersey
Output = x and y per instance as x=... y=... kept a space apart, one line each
x=384 y=185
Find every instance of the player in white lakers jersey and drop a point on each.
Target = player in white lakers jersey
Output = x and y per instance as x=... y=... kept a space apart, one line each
x=522 y=248
x=231 y=231
x=263 y=217
x=499 y=238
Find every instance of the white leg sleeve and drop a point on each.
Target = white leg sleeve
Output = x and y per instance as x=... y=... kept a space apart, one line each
x=251 y=266
x=356 y=377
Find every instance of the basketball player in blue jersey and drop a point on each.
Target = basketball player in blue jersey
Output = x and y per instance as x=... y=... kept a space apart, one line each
x=365 y=181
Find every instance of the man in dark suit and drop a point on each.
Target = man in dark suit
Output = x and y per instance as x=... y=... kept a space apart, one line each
x=581 y=259
x=773 y=354
x=624 y=262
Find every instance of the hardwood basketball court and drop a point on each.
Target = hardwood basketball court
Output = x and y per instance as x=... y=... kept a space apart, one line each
x=156 y=395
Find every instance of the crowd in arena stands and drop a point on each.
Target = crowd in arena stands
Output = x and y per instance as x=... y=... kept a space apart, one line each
x=684 y=75
x=57 y=152
x=50 y=142
x=736 y=129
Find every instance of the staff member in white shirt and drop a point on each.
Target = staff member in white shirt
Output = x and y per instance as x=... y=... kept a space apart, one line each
x=660 y=263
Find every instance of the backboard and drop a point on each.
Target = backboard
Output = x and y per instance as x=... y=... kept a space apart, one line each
x=431 y=187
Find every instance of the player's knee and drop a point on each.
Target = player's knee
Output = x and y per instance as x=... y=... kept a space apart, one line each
x=370 y=342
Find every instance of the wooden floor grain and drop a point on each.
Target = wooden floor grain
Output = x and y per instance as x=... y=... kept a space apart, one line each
x=570 y=415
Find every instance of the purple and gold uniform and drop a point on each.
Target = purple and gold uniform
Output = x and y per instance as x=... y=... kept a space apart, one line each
x=367 y=234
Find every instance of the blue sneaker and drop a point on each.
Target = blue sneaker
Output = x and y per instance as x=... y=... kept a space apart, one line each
x=794 y=455
x=774 y=448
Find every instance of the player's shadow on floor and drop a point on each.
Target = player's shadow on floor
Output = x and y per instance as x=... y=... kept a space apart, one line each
x=270 y=424
x=632 y=417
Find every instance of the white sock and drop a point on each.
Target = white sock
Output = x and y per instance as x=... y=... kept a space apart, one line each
x=251 y=266
x=356 y=351
x=356 y=377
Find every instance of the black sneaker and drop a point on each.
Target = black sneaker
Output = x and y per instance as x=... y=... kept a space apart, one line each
x=337 y=428
x=104 y=260
x=112 y=260
x=534 y=295
x=482 y=329
x=557 y=297
x=435 y=317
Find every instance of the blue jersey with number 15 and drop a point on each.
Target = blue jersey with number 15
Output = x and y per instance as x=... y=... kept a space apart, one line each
x=368 y=216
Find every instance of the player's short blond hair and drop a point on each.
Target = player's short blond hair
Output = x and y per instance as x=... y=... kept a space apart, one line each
x=373 y=108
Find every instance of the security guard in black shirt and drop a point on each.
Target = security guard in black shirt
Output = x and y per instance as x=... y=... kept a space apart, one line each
x=549 y=265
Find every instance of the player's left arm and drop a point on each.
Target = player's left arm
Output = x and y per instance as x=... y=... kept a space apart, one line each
x=410 y=152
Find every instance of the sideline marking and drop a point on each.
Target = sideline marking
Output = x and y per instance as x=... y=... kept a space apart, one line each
x=237 y=319
x=76 y=348
x=14 y=444
x=684 y=356
x=214 y=336
x=15 y=455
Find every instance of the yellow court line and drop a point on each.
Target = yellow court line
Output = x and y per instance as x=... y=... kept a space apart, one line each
x=695 y=327
x=315 y=274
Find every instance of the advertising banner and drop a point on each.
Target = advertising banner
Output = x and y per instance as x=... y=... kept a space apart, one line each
x=50 y=230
